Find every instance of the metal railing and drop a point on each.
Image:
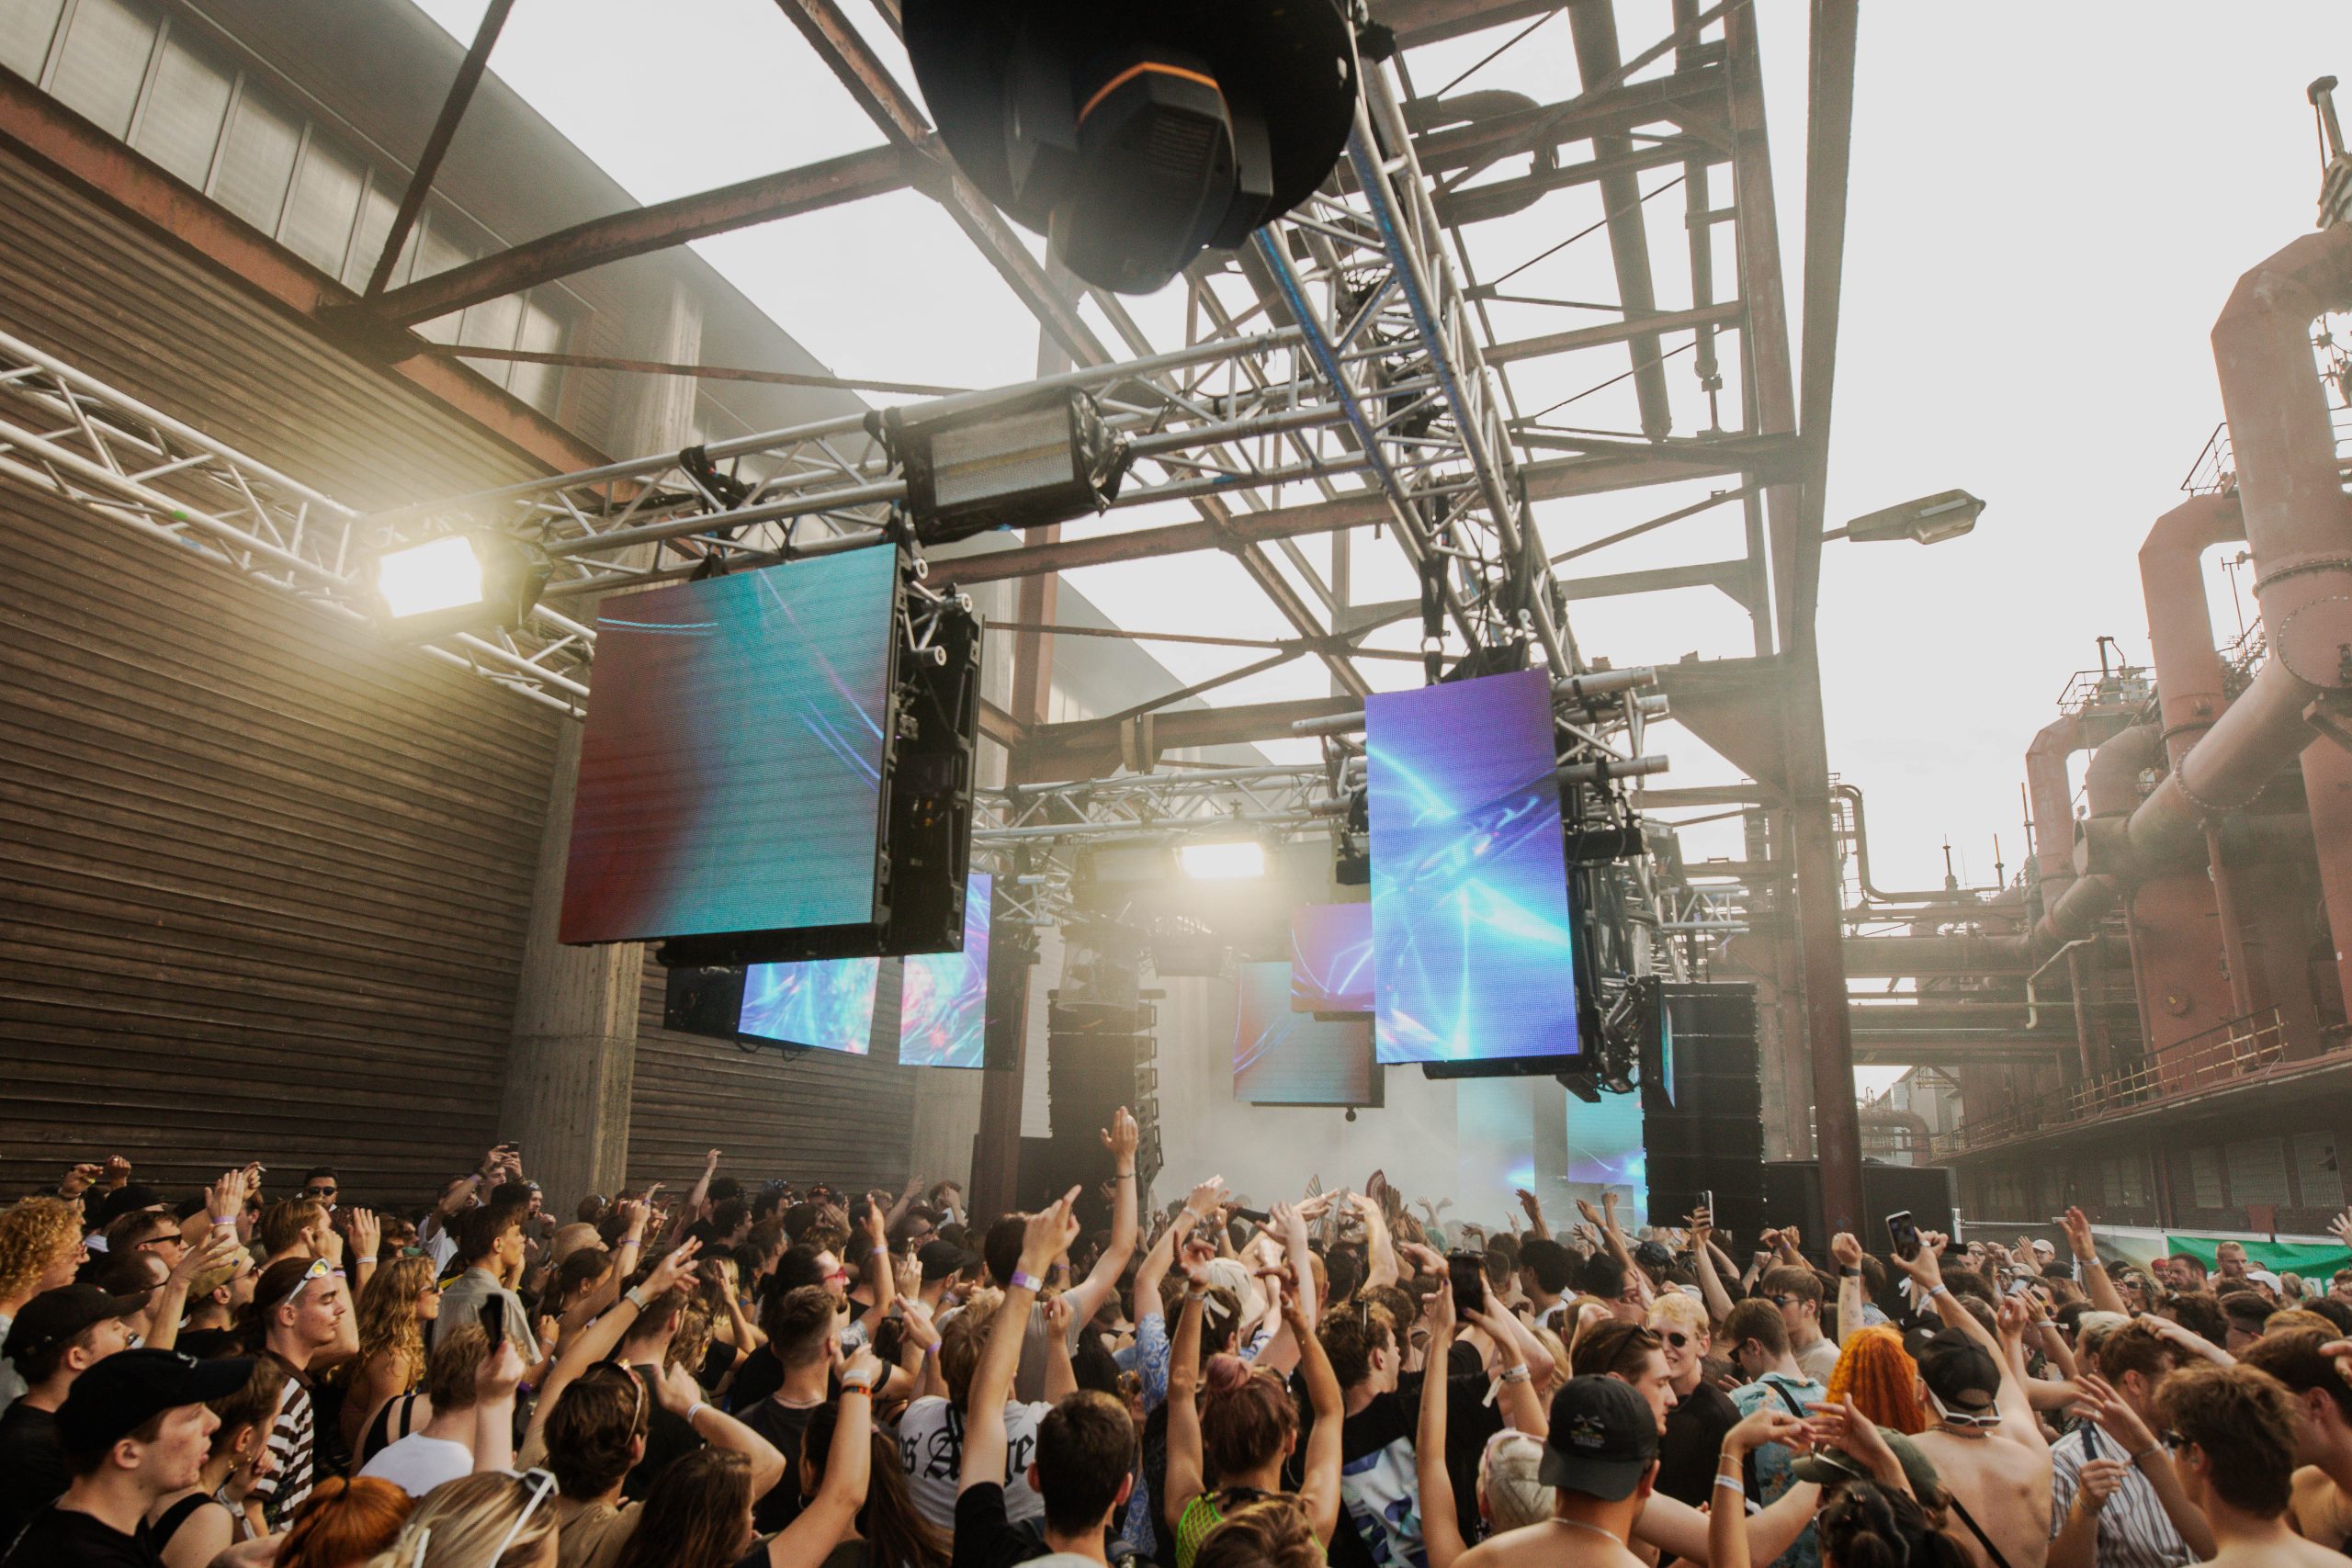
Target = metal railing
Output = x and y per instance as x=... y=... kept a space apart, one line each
x=2241 y=1050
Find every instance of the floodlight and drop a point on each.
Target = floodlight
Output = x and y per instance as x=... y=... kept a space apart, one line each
x=1930 y=520
x=457 y=581
x=1017 y=463
x=1223 y=859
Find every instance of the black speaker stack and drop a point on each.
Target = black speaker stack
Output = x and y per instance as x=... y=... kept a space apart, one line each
x=1098 y=1056
x=1702 y=1104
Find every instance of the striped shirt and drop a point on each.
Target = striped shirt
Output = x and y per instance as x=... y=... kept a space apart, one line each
x=290 y=1444
x=2133 y=1529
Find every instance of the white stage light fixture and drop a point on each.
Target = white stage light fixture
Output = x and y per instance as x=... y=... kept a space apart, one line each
x=1225 y=859
x=457 y=581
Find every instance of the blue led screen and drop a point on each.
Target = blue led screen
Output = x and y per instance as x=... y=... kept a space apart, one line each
x=1330 y=958
x=944 y=1002
x=827 y=1004
x=1282 y=1057
x=1472 y=953
x=730 y=767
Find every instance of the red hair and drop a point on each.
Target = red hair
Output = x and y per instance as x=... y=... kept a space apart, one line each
x=1246 y=1417
x=344 y=1523
x=1878 y=1373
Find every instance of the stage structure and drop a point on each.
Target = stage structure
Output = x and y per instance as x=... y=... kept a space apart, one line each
x=1343 y=371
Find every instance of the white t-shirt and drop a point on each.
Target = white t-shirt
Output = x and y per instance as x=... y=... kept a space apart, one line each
x=416 y=1464
x=931 y=1445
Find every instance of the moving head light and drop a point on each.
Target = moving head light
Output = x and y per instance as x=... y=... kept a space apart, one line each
x=1134 y=135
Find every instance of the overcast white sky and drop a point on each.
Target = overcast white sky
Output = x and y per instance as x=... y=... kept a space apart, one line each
x=2049 y=205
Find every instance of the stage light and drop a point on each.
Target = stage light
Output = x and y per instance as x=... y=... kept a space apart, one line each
x=1133 y=137
x=457 y=581
x=1020 y=463
x=1930 y=520
x=1223 y=859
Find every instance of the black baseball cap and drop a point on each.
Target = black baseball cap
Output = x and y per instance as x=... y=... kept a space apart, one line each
x=941 y=1258
x=53 y=1317
x=131 y=1388
x=131 y=1195
x=1604 y=1439
x=1959 y=1372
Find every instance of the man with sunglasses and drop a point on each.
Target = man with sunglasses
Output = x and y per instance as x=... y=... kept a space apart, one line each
x=323 y=1184
x=2116 y=1500
x=1986 y=1444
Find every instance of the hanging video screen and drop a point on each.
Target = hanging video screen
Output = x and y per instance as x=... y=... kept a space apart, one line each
x=943 y=1001
x=828 y=1005
x=1282 y=1057
x=1330 y=958
x=1471 y=951
x=730 y=767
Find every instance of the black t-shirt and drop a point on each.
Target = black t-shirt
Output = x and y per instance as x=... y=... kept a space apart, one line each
x=57 y=1539
x=32 y=1465
x=984 y=1537
x=669 y=1437
x=759 y=1375
x=1693 y=1441
x=782 y=1424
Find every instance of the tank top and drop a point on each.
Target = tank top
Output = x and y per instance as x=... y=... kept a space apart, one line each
x=1204 y=1513
x=168 y=1523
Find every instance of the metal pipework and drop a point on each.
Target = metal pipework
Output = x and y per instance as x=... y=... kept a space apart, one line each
x=1590 y=686
x=1853 y=795
x=2111 y=782
x=1602 y=769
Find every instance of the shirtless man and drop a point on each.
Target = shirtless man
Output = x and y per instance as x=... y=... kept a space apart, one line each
x=2323 y=1507
x=2236 y=1456
x=1986 y=1444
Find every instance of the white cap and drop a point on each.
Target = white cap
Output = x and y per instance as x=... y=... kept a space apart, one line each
x=2263 y=1277
x=2045 y=1246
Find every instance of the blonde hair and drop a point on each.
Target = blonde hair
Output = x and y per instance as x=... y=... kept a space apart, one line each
x=1681 y=1310
x=32 y=1233
x=388 y=1323
x=461 y=1522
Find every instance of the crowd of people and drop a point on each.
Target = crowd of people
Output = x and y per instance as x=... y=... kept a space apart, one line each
x=801 y=1377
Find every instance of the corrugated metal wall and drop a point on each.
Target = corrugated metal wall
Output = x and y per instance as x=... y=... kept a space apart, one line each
x=817 y=1116
x=263 y=878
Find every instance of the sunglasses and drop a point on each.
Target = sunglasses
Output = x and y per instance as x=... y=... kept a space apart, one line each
x=320 y=1268
x=318 y=1191
x=1675 y=1337
x=1984 y=1420
x=541 y=1483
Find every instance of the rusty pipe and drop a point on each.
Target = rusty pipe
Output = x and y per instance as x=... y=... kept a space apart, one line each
x=2111 y=782
x=2180 y=622
x=2299 y=529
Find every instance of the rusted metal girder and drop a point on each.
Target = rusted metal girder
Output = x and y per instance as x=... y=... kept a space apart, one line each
x=1089 y=748
x=76 y=150
x=852 y=176
x=1593 y=26
x=436 y=144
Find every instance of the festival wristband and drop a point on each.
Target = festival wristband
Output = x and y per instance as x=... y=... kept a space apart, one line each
x=1732 y=1482
x=697 y=1408
x=1023 y=1281
x=635 y=1296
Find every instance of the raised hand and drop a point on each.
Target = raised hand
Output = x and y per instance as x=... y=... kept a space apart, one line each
x=1701 y=1224
x=864 y=1369
x=1766 y=1424
x=2078 y=1235
x=2339 y=1227
x=907 y=1277
x=79 y=1180
x=710 y=1163
x=499 y=1374
x=1843 y=1428
x=2098 y=1478
x=367 y=1234
x=1922 y=1265
x=1846 y=1249
x=1048 y=1233
x=677 y=1389
x=1203 y=1200
x=672 y=1271
x=1530 y=1205
x=218 y=1247
x=1591 y=1215
x=1437 y=1310
x=2340 y=1353
x=117 y=1172
x=1122 y=1136
x=1056 y=1317
x=2106 y=1408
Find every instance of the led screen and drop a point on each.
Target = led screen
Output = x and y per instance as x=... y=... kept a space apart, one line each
x=1606 y=1149
x=731 y=768
x=827 y=1004
x=1471 y=950
x=1330 y=958
x=943 y=1004
x=1282 y=1057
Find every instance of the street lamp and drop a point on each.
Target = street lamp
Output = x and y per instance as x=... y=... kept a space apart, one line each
x=1930 y=520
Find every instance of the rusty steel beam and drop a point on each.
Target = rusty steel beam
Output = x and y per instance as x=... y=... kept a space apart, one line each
x=1088 y=748
x=1829 y=148
x=1633 y=326
x=852 y=176
x=704 y=372
x=436 y=144
x=78 y=153
x=1593 y=26
x=1001 y=727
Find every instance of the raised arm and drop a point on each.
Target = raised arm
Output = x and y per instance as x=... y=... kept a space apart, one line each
x=2142 y=1450
x=1121 y=1137
x=876 y=1269
x=1047 y=1236
x=598 y=1340
x=1847 y=1251
x=2096 y=1284
x=1727 y=1542
x=1061 y=1372
x=1319 y=1489
x=494 y=1384
x=1614 y=1239
x=1533 y=1206
x=828 y=1517
x=1441 y=1526
x=1380 y=1253
x=1927 y=1273
x=1711 y=1283
x=171 y=1301
x=1184 y=1481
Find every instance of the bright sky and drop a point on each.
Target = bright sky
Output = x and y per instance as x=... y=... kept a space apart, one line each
x=2048 y=208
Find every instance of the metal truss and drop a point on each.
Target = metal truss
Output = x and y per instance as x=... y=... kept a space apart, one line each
x=1156 y=806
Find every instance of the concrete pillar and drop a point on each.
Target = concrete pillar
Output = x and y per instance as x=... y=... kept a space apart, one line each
x=573 y=1063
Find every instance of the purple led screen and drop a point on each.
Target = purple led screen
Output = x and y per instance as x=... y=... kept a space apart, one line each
x=827 y=1004
x=1330 y=958
x=1473 y=958
x=942 y=1007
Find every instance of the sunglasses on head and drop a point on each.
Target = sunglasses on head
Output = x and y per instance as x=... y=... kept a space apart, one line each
x=541 y=1483
x=320 y=1268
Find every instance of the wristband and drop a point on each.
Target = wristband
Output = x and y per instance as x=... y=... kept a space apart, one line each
x=1940 y=1289
x=1123 y=1176
x=2143 y=1453
x=1024 y=1280
x=1516 y=1373
x=697 y=1408
x=1845 y=1273
x=1734 y=1482
x=635 y=1296
x=220 y=1225
x=857 y=1386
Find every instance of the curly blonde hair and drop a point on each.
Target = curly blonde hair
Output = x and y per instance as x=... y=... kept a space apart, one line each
x=32 y=1233
x=388 y=1321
